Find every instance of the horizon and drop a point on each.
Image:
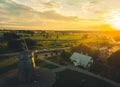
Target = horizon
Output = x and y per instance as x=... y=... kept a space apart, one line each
x=56 y=30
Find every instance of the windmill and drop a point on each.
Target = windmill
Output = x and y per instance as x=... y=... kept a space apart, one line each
x=26 y=65
x=28 y=74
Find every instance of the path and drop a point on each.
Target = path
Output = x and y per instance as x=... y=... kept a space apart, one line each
x=36 y=51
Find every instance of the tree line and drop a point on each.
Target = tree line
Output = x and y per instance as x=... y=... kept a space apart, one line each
x=15 y=42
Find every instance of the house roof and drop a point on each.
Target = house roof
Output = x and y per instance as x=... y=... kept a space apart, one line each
x=80 y=59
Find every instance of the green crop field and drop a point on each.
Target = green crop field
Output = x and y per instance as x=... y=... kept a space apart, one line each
x=62 y=37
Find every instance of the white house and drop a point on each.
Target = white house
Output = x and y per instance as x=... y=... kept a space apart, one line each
x=81 y=59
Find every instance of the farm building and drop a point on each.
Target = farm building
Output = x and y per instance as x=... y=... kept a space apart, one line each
x=81 y=59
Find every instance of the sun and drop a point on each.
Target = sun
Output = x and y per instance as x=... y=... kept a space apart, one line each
x=115 y=22
x=113 y=19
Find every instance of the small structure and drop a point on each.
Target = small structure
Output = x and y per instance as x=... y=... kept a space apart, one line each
x=82 y=60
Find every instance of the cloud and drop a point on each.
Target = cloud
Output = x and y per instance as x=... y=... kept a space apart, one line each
x=14 y=14
x=80 y=8
x=51 y=4
x=54 y=13
x=39 y=5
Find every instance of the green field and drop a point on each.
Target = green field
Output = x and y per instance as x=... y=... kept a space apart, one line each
x=42 y=64
x=62 y=37
x=69 y=40
x=70 y=78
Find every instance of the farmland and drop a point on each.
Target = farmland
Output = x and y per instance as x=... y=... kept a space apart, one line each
x=48 y=43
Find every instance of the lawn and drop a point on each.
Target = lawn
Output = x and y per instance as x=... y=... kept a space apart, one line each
x=43 y=64
x=70 y=78
x=8 y=63
x=57 y=59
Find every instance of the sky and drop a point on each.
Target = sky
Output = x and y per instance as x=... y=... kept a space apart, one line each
x=60 y=14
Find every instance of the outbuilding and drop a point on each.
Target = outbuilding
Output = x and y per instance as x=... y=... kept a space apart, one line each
x=81 y=59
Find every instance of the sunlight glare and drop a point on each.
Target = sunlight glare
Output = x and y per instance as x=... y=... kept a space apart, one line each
x=113 y=19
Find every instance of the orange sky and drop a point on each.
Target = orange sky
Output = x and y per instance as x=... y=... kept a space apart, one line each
x=60 y=14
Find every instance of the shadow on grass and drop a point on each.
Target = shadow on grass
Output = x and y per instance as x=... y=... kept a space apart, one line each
x=70 y=78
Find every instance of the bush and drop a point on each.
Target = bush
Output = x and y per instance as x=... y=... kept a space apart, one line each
x=65 y=55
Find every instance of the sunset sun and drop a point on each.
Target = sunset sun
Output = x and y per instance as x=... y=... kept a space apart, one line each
x=114 y=20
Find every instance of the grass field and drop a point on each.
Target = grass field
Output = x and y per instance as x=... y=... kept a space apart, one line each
x=7 y=64
x=42 y=64
x=57 y=59
x=69 y=40
x=70 y=78
x=62 y=37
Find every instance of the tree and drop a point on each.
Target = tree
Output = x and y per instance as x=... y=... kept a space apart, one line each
x=98 y=66
x=30 y=43
x=13 y=41
x=85 y=49
x=57 y=37
x=16 y=45
x=114 y=59
x=10 y=36
x=114 y=64
x=65 y=55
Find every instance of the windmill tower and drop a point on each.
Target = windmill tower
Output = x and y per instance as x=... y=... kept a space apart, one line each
x=26 y=72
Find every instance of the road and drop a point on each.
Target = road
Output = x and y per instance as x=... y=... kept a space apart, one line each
x=36 y=51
